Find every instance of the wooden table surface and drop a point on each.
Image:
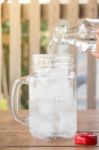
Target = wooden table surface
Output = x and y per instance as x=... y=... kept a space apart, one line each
x=14 y=136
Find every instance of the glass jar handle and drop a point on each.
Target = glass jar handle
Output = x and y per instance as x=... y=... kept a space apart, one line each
x=15 y=99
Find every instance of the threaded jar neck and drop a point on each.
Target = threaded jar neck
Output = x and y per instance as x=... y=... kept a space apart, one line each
x=43 y=62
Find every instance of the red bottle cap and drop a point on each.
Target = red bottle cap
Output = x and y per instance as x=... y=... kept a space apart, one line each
x=86 y=138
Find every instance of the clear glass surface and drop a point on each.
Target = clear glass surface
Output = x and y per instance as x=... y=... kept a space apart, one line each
x=52 y=98
x=83 y=36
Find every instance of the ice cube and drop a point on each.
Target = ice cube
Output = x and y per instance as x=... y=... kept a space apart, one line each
x=46 y=107
x=68 y=124
x=33 y=107
x=41 y=127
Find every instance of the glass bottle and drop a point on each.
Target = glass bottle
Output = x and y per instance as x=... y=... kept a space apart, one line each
x=82 y=36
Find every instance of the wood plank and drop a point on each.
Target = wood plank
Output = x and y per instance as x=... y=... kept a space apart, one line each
x=92 y=12
x=5 y=11
x=89 y=117
x=5 y=39
x=73 y=12
x=82 y=11
x=0 y=52
x=25 y=11
x=26 y=140
x=2 y=63
x=34 y=29
x=4 y=82
x=53 y=14
x=64 y=13
x=44 y=11
x=19 y=137
x=52 y=148
x=15 y=42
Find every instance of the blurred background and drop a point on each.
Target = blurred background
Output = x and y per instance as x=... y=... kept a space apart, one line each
x=25 y=29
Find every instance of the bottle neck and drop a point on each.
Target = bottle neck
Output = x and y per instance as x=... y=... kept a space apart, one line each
x=83 y=34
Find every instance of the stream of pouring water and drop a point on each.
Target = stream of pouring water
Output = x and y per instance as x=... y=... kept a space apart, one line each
x=58 y=39
x=51 y=47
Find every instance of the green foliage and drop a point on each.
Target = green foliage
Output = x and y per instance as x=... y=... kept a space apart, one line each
x=24 y=31
x=44 y=25
x=3 y=104
x=5 y=27
x=25 y=49
x=44 y=36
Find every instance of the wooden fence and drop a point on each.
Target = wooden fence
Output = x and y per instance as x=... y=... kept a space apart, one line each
x=34 y=12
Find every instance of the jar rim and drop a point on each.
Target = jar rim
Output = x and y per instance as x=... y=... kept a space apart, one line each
x=67 y=56
x=45 y=61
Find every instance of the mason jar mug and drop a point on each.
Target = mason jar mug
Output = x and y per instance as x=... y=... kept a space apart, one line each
x=52 y=97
